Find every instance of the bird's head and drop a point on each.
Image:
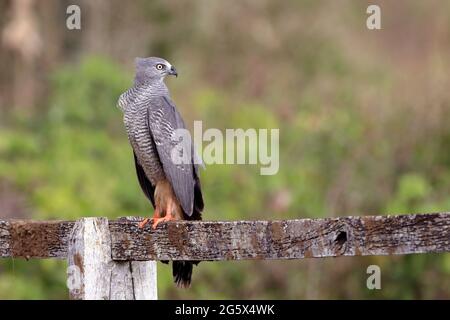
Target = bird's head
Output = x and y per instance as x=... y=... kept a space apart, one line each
x=153 y=68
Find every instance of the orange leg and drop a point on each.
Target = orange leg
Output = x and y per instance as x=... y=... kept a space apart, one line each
x=156 y=216
x=167 y=217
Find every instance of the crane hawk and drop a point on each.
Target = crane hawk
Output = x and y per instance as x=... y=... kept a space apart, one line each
x=151 y=121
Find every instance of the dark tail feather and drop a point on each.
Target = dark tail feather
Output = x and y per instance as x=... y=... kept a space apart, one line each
x=182 y=273
x=182 y=270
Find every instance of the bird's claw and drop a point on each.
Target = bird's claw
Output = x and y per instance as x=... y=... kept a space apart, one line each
x=143 y=223
x=166 y=218
x=146 y=220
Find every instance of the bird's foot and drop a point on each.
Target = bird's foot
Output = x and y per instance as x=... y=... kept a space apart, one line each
x=143 y=223
x=146 y=220
x=166 y=218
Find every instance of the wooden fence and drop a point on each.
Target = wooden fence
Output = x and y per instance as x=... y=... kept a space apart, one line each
x=114 y=259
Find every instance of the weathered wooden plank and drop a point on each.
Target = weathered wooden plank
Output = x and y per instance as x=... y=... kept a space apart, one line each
x=93 y=275
x=34 y=239
x=288 y=239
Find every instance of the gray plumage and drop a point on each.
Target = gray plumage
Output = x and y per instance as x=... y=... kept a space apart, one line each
x=150 y=119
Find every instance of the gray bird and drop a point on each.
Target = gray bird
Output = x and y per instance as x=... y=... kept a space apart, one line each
x=151 y=121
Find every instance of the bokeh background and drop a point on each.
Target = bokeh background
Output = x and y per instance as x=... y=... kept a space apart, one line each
x=363 y=116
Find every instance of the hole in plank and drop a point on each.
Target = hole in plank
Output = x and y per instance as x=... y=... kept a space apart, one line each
x=341 y=238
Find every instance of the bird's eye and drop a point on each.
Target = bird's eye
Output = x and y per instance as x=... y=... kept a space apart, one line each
x=159 y=66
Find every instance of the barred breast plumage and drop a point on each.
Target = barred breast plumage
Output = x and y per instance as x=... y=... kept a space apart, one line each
x=134 y=103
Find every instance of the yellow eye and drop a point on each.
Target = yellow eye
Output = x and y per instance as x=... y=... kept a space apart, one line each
x=159 y=66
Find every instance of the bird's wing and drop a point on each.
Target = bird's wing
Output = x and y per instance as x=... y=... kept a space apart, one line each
x=145 y=184
x=163 y=120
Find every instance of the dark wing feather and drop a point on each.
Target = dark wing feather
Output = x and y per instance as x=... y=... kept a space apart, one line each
x=163 y=120
x=198 y=197
x=145 y=184
x=198 y=200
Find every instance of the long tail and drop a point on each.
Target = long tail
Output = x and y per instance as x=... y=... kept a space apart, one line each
x=182 y=270
x=182 y=273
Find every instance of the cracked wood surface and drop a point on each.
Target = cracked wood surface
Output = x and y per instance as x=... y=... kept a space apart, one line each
x=236 y=240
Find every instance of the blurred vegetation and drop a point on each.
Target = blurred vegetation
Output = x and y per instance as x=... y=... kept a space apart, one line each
x=363 y=124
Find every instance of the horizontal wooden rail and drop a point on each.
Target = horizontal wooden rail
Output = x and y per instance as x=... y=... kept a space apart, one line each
x=236 y=240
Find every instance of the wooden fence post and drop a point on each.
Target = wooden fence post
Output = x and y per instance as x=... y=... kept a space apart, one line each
x=93 y=275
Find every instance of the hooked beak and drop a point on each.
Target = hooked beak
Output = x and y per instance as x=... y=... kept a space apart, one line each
x=173 y=72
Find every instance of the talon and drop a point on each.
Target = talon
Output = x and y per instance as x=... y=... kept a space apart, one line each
x=156 y=222
x=166 y=218
x=146 y=220
x=143 y=223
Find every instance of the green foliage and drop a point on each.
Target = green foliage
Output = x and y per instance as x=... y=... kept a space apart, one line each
x=411 y=192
